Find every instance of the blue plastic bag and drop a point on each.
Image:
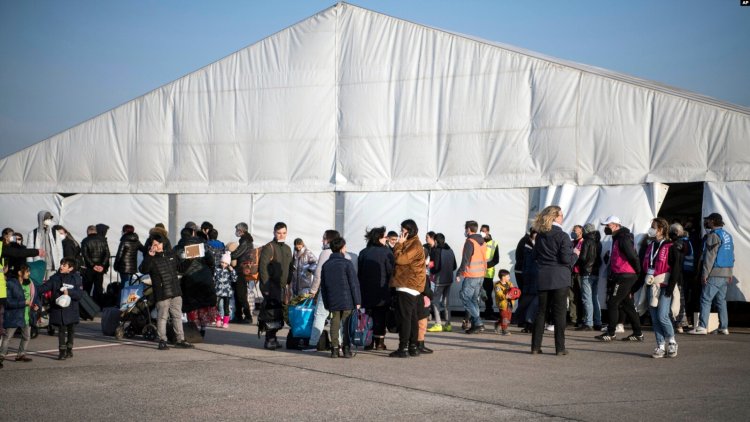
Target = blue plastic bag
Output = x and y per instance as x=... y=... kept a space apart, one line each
x=301 y=318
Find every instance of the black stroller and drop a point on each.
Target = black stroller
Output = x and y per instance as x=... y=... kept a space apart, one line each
x=135 y=315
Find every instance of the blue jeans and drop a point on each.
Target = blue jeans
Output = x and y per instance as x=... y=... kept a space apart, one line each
x=660 y=319
x=319 y=323
x=470 y=296
x=714 y=289
x=590 y=299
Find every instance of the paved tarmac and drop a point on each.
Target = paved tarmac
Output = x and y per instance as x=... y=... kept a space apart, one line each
x=469 y=377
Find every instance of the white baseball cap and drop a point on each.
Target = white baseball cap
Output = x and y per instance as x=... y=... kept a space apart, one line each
x=611 y=219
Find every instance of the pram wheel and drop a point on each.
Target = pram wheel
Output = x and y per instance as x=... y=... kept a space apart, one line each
x=150 y=333
x=128 y=332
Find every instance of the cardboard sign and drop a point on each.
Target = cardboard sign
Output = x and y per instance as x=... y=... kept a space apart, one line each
x=195 y=251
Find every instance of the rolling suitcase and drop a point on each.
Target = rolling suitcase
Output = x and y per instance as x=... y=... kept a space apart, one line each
x=110 y=320
x=87 y=308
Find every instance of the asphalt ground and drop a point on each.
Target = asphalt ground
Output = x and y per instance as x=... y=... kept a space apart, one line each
x=469 y=377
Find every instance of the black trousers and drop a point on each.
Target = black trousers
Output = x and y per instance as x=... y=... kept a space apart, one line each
x=489 y=289
x=94 y=279
x=408 y=320
x=241 y=305
x=618 y=297
x=557 y=300
x=378 y=315
x=65 y=336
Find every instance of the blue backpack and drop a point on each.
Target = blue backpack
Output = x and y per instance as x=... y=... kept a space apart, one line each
x=359 y=325
x=688 y=264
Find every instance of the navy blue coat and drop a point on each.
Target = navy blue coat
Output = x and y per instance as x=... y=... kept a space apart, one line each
x=339 y=286
x=376 y=265
x=554 y=256
x=64 y=316
x=15 y=306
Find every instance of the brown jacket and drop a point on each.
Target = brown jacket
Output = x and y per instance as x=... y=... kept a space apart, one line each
x=410 y=265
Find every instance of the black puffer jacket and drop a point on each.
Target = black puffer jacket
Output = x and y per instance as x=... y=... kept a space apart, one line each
x=126 y=260
x=197 y=286
x=376 y=265
x=590 y=259
x=162 y=268
x=95 y=251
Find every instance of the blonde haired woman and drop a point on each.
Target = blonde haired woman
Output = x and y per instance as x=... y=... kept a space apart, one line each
x=554 y=256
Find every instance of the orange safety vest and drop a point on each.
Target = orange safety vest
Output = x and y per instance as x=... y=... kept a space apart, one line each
x=478 y=262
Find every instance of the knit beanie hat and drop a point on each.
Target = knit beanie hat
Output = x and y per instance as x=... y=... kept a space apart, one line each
x=226 y=258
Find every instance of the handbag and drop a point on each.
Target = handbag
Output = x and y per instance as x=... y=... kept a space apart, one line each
x=301 y=318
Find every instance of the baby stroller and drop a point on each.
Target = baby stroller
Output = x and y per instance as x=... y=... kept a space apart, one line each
x=135 y=314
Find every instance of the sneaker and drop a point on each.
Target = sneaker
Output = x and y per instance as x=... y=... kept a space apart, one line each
x=679 y=329
x=672 y=350
x=604 y=328
x=447 y=327
x=550 y=327
x=23 y=358
x=465 y=325
x=437 y=328
x=722 y=331
x=633 y=337
x=606 y=337
x=619 y=329
x=184 y=345
x=163 y=345
x=505 y=333
x=698 y=331
x=597 y=327
x=584 y=328
x=475 y=330
x=658 y=353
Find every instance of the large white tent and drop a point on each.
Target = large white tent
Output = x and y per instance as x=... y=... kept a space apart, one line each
x=352 y=119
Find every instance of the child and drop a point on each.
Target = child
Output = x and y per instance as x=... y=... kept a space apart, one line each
x=224 y=277
x=505 y=306
x=66 y=282
x=339 y=289
x=21 y=294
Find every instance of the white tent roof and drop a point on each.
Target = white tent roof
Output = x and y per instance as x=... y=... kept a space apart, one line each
x=353 y=100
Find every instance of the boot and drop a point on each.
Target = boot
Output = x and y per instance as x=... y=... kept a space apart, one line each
x=334 y=352
x=69 y=352
x=270 y=344
x=413 y=350
x=226 y=322
x=422 y=348
x=61 y=355
x=348 y=352
x=400 y=353
x=203 y=333
x=380 y=343
x=219 y=322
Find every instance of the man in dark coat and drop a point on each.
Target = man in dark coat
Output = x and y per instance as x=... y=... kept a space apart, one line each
x=339 y=289
x=275 y=270
x=162 y=266
x=95 y=251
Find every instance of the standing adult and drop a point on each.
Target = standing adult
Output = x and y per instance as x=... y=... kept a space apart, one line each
x=575 y=306
x=555 y=257
x=471 y=271
x=376 y=264
x=408 y=280
x=624 y=268
x=492 y=258
x=12 y=257
x=126 y=259
x=716 y=273
x=243 y=254
x=95 y=251
x=275 y=274
x=518 y=266
x=162 y=266
x=658 y=263
x=443 y=273
x=43 y=237
x=303 y=267
x=589 y=264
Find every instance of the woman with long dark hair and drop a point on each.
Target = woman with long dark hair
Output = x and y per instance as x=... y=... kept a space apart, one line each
x=408 y=280
x=375 y=268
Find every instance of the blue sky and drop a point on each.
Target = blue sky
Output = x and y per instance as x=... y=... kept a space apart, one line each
x=63 y=62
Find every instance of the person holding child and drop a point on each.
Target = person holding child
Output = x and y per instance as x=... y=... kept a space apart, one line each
x=20 y=301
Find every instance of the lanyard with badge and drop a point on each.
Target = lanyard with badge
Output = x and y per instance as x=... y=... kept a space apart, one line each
x=652 y=256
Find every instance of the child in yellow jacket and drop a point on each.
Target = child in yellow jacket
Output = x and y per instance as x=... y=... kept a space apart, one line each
x=504 y=304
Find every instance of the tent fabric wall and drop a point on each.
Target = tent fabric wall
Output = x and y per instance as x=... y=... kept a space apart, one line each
x=732 y=200
x=307 y=216
x=19 y=211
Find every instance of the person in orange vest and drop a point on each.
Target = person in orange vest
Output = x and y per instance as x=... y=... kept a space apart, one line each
x=471 y=273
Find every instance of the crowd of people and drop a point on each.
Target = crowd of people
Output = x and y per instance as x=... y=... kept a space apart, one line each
x=400 y=282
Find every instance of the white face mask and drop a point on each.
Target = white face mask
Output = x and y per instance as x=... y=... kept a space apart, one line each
x=47 y=223
x=651 y=232
x=484 y=235
x=13 y=239
x=61 y=235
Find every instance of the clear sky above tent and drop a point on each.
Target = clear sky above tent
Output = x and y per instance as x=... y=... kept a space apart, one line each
x=62 y=63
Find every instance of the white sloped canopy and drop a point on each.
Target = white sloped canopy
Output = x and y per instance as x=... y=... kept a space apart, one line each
x=353 y=100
